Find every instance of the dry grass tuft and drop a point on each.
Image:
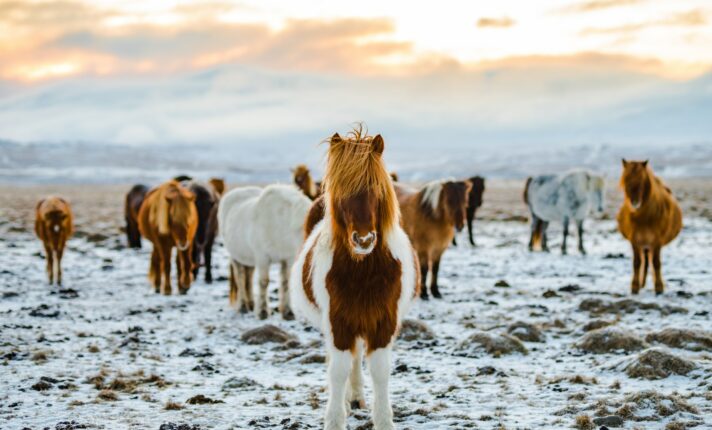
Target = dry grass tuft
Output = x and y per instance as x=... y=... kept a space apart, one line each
x=584 y=422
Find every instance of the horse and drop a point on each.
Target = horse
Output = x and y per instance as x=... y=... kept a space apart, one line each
x=205 y=200
x=394 y=176
x=474 y=201
x=431 y=215
x=649 y=218
x=132 y=204
x=302 y=179
x=356 y=276
x=218 y=186
x=53 y=226
x=168 y=218
x=570 y=195
x=260 y=227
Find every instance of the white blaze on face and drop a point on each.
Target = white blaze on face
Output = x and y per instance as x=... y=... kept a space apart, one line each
x=56 y=228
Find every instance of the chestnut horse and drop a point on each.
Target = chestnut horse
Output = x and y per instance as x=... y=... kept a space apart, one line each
x=168 y=218
x=649 y=218
x=303 y=180
x=53 y=226
x=431 y=216
x=356 y=276
x=474 y=201
x=132 y=204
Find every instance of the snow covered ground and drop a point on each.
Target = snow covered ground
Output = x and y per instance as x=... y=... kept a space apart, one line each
x=105 y=352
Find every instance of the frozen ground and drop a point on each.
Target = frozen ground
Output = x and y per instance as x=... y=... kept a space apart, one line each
x=105 y=352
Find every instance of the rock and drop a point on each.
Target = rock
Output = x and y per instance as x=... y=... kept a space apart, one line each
x=657 y=363
x=613 y=421
x=598 y=306
x=266 y=333
x=190 y=352
x=693 y=340
x=571 y=288
x=502 y=284
x=202 y=400
x=240 y=383
x=610 y=339
x=414 y=330
x=313 y=358
x=596 y=324
x=492 y=344
x=548 y=294
x=525 y=332
x=172 y=426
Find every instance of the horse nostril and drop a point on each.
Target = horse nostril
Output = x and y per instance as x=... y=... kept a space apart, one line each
x=354 y=238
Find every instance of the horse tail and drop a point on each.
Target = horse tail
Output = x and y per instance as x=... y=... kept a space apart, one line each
x=526 y=190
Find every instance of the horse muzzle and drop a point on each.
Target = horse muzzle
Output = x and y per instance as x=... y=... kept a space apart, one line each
x=363 y=245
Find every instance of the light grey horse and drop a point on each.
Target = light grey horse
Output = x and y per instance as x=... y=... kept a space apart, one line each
x=569 y=196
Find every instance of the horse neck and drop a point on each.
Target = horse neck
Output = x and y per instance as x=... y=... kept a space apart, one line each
x=427 y=209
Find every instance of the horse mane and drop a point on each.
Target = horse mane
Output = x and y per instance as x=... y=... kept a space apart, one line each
x=311 y=188
x=177 y=209
x=430 y=195
x=353 y=167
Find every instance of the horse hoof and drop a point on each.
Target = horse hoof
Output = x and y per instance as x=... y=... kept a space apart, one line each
x=437 y=295
x=358 y=404
x=263 y=314
x=244 y=309
x=288 y=315
x=183 y=291
x=424 y=297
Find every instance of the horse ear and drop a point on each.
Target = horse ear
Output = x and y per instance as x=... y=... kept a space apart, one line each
x=645 y=163
x=625 y=163
x=335 y=139
x=377 y=144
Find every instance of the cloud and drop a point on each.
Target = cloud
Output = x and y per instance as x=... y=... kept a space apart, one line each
x=595 y=5
x=693 y=18
x=503 y=22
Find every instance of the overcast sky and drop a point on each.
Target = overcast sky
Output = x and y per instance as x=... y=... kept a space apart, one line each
x=465 y=73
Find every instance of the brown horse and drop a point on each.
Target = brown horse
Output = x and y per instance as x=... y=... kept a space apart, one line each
x=53 y=226
x=169 y=218
x=356 y=276
x=132 y=204
x=218 y=186
x=206 y=200
x=649 y=218
x=430 y=217
x=303 y=180
x=474 y=201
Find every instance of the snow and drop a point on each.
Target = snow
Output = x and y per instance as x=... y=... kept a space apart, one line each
x=131 y=329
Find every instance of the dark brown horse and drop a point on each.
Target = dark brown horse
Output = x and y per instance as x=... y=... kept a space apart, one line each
x=474 y=201
x=650 y=218
x=206 y=200
x=132 y=204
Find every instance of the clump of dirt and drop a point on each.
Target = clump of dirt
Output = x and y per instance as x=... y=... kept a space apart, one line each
x=313 y=358
x=201 y=399
x=493 y=344
x=173 y=406
x=596 y=324
x=267 y=333
x=628 y=306
x=610 y=339
x=240 y=383
x=502 y=284
x=414 y=330
x=107 y=395
x=183 y=426
x=657 y=363
x=693 y=340
x=125 y=383
x=638 y=406
x=525 y=332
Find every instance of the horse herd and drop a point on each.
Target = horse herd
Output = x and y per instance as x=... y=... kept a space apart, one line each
x=355 y=250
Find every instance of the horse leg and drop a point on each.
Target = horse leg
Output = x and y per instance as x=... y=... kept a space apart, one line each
x=49 y=256
x=657 y=269
x=208 y=251
x=356 y=399
x=195 y=253
x=249 y=272
x=532 y=236
x=262 y=308
x=544 y=236
x=379 y=364
x=232 y=282
x=165 y=251
x=338 y=373
x=58 y=262
x=635 y=283
x=154 y=273
x=434 y=288
x=579 y=225
x=470 y=219
x=423 y=258
x=566 y=234
x=644 y=267
x=186 y=274
x=454 y=239
x=284 y=307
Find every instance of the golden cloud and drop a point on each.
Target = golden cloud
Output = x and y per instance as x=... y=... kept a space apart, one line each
x=502 y=22
x=693 y=18
x=595 y=5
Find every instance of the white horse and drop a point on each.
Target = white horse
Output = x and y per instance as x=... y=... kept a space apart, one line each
x=571 y=195
x=260 y=227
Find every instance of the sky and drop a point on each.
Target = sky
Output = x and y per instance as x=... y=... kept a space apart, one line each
x=472 y=73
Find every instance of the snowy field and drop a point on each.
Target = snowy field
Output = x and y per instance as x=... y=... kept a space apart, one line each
x=105 y=352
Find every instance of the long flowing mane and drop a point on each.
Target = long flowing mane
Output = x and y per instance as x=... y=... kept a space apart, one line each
x=177 y=209
x=353 y=167
x=430 y=196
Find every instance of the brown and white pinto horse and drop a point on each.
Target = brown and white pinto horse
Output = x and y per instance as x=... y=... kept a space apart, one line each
x=132 y=204
x=430 y=217
x=53 y=226
x=168 y=218
x=303 y=180
x=649 y=218
x=356 y=276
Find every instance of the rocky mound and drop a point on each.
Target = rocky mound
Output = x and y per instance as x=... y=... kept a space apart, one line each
x=482 y=342
x=610 y=339
x=694 y=340
x=657 y=363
